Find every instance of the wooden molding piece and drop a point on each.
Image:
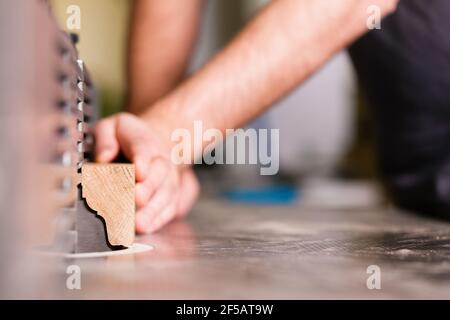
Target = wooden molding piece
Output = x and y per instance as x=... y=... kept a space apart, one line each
x=109 y=189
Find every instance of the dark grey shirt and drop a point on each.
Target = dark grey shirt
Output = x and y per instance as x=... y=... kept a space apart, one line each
x=404 y=70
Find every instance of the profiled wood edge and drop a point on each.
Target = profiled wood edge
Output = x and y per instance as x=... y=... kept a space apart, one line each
x=109 y=189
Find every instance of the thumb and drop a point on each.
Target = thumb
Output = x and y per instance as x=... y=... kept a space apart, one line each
x=134 y=140
x=107 y=147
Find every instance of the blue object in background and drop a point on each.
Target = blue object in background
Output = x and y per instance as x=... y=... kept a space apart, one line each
x=267 y=195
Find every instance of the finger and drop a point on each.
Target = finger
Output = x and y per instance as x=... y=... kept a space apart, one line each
x=134 y=142
x=107 y=146
x=144 y=191
x=146 y=215
x=167 y=215
x=189 y=192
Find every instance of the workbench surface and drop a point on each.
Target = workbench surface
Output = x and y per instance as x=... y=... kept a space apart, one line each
x=226 y=251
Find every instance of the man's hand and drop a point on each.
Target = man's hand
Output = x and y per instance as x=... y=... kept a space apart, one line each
x=164 y=191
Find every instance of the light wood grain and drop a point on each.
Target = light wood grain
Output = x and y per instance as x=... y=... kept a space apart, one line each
x=109 y=189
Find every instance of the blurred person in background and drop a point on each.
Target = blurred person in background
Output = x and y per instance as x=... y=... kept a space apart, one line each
x=403 y=69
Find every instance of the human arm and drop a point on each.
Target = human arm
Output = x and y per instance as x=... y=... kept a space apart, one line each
x=162 y=37
x=278 y=50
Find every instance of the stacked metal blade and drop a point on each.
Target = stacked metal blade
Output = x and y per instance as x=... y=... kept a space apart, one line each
x=47 y=110
x=37 y=162
x=78 y=229
x=91 y=234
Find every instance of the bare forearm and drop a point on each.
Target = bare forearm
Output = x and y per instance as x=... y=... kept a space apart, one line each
x=162 y=37
x=287 y=42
